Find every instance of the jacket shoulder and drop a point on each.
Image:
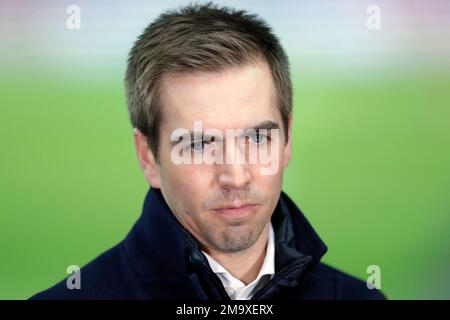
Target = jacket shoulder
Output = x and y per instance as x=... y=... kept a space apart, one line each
x=328 y=282
x=102 y=278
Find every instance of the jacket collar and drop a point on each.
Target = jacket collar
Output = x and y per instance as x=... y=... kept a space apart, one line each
x=158 y=245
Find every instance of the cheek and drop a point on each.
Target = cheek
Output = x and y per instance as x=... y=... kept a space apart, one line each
x=269 y=183
x=189 y=183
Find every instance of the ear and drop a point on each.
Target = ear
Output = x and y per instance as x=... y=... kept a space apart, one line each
x=146 y=159
x=288 y=146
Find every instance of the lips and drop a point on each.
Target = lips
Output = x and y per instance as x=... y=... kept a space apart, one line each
x=238 y=210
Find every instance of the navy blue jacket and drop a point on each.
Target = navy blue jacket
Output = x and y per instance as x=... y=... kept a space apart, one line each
x=159 y=259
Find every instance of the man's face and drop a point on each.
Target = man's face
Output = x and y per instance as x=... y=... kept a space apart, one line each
x=201 y=195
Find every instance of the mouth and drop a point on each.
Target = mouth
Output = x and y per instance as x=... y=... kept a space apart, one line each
x=234 y=211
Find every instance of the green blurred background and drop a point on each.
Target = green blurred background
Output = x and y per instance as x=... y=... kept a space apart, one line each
x=371 y=163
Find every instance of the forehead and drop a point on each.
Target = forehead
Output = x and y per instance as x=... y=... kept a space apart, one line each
x=233 y=98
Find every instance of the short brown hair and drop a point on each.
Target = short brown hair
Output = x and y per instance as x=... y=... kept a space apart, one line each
x=199 y=38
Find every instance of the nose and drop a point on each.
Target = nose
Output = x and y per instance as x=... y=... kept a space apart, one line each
x=234 y=174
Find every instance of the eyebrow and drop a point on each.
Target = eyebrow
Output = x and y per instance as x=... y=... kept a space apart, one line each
x=267 y=125
x=263 y=125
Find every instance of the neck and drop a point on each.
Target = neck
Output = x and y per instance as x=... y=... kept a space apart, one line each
x=246 y=264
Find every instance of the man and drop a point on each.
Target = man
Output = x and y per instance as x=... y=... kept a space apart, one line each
x=211 y=227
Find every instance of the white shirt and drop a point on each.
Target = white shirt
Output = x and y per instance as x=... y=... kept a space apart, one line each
x=235 y=288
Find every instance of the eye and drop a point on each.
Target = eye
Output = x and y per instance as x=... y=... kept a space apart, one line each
x=197 y=146
x=259 y=138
